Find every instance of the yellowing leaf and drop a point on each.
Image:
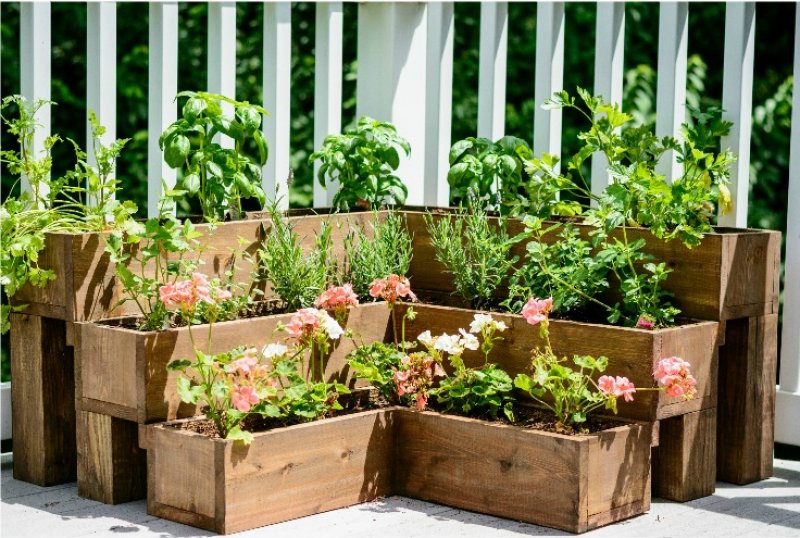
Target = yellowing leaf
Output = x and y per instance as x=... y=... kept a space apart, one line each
x=725 y=202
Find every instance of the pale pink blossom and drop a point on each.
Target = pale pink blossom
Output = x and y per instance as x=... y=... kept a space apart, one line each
x=185 y=294
x=675 y=376
x=536 y=310
x=303 y=324
x=337 y=298
x=391 y=288
x=245 y=365
x=616 y=386
x=244 y=397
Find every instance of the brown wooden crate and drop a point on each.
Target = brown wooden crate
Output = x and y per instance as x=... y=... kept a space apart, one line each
x=283 y=474
x=684 y=464
x=631 y=352
x=42 y=400
x=746 y=418
x=111 y=466
x=733 y=273
x=123 y=371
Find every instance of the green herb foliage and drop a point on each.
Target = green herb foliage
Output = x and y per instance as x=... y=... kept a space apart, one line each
x=477 y=392
x=220 y=177
x=377 y=363
x=363 y=161
x=386 y=251
x=298 y=276
x=476 y=252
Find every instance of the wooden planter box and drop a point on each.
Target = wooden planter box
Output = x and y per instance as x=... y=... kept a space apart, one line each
x=574 y=483
x=310 y=468
x=86 y=288
x=286 y=473
x=123 y=372
x=632 y=353
x=733 y=273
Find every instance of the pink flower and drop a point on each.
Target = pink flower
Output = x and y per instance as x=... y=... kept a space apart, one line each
x=167 y=295
x=391 y=288
x=243 y=397
x=616 y=386
x=247 y=364
x=645 y=322
x=674 y=374
x=223 y=295
x=422 y=401
x=185 y=294
x=303 y=323
x=536 y=310
x=337 y=298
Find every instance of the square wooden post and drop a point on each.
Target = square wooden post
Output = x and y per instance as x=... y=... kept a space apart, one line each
x=747 y=377
x=42 y=401
x=684 y=464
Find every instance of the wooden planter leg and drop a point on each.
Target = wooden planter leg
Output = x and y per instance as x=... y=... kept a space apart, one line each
x=111 y=466
x=684 y=464
x=42 y=401
x=747 y=378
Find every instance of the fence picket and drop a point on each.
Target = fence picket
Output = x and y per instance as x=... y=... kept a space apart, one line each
x=222 y=56
x=163 y=85
x=549 y=76
x=277 y=127
x=492 y=70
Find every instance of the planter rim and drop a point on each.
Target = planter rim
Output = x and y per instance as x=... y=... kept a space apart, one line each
x=106 y=323
x=692 y=322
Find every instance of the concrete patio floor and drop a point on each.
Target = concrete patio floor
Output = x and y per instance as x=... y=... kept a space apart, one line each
x=770 y=508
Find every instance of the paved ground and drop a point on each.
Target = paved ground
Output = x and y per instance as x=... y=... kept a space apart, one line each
x=770 y=508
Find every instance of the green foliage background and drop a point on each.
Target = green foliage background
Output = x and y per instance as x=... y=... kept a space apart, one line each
x=771 y=94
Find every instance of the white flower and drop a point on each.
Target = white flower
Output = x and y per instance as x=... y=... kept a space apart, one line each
x=449 y=343
x=469 y=341
x=426 y=338
x=479 y=323
x=332 y=327
x=499 y=326
x=271 y=351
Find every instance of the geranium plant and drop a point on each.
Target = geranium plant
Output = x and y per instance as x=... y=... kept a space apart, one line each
x=573 y=393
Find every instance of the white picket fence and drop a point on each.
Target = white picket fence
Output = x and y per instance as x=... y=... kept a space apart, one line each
x=405 y=75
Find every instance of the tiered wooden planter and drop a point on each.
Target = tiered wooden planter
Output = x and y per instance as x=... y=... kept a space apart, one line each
x=732 y=277
x=122 y=374
x=218 y=485
x=85 y=289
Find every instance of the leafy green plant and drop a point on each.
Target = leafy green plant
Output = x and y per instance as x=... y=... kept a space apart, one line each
x=219 y=177
x=377 y=362
x=493 y=171
x=162 y=244
x=297 y=276
x=363 y=161
x=475 y=251
x=571 y=394
x=563 y=268
x=477 y=392
x=385 y=251
x=66 y=204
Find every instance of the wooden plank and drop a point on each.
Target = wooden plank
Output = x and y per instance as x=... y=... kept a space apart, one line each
x=42 y=400
x=162 y=88
x=492 y=70
x=111 y=466
x=609 y=62
x=549 y=76
x=673 y=24
x=35 y=81
x=745 y=425
x=327 y=86
x=684 y=464
x=48 y=301
x=788 y=397
x=277 y=66
x=737 y=104
x=439 y=100
x=101 y=74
